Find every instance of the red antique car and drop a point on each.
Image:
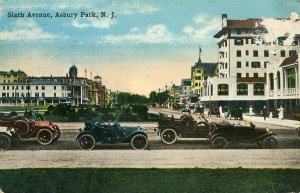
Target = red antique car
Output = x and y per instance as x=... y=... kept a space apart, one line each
x=30 y=126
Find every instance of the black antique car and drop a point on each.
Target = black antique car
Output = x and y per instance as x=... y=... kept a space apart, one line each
x=244 y=132
x=111 y=133
x=213 y=111
x=186 y=126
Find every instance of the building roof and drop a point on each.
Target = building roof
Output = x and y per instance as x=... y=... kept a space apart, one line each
x=209 y=68
x=238 y=24
x=289 y=60
x=186 y=82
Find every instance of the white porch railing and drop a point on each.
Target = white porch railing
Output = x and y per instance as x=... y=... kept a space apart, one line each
x=290 y=91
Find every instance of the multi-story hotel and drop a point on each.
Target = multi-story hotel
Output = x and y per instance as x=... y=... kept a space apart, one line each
x=250 y=73
x=18 y=88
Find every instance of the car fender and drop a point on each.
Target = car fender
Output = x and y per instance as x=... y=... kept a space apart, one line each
x=263 y=136
x=4 y=130
x=83 y=133
x=128 y=139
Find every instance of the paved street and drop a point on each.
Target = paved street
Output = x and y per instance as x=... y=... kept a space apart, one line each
x=184 y=153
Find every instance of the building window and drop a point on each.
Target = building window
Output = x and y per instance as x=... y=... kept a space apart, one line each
x=223 y=89
x=291 y=78
x=239 y=64
x=43 y=87
x=226 y=65
x=198 y=71
x=247 y=40
x=238 y=31
x=242 y=89
x=238 y=53
x=54 y=94
x=17 y=87
x=252 y=41
x=282 y=53
x=54 y=87
x=247 y=74
x=259 y=89
x=255 y=64
x=36 y=87
x=255 y=53
x=292 y=53
x=238 y=75
x=278 y=80
x=265 y=64
x=266 y=53
x=271 y=80
x=247 y=52
x=238 y=42
x=43 y=94
x=255 y=75
x=247 y=64
x=7 y=88
x=36 y=94
x=211 y=90
x=3 y=87
x=4 y=94
x=22 y=88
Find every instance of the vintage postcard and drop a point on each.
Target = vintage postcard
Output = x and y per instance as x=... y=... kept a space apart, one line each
x=149 y=96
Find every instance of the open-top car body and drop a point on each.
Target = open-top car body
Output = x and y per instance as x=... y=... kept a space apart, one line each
x=170 y=128
x=242 y=132
x=33 y=126
x=111 y=133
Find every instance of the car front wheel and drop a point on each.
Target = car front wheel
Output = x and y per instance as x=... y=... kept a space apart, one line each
x=86 y=142
x=219 y=143
x=4 y=142
x=169 y=136
x=44 y=136
x=270 y=143
x=139 y=142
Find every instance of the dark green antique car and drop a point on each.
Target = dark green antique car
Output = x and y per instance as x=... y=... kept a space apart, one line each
x=243 y=132
x=111 y=133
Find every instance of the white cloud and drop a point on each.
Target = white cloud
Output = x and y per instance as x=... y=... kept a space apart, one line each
x=200 y=18
x=279 y=28
x=95 y=23
x=28 y=30
x=154 y=34
x=204 y=28
x=134 y=29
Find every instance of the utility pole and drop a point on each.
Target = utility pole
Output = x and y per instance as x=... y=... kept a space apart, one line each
x=28 y=98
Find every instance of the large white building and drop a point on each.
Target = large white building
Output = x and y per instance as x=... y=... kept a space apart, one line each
x=248 y=71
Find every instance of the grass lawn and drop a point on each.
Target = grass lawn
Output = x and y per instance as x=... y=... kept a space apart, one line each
x=150 y=180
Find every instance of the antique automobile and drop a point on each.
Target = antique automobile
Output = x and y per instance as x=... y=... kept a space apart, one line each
x=8 y=137
x=243 y=132
x=111 y=133
x=170 y=129
x=32 y=125
x=213 y=111
x=186 y=110
x=236 y=113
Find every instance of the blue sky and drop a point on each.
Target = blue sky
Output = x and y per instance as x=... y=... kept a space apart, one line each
x=149 y=43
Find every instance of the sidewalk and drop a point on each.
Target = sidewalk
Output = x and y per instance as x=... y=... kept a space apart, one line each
x=275 y=121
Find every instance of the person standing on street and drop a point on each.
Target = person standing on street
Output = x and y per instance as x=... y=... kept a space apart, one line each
x=264 y=111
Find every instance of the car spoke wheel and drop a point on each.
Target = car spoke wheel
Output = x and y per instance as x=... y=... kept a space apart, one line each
x=219 y=143
x=44 y=137
x=21 y=127
x=169 y=136
x=86 y=142
x=16 y=139
x=4 y=142
x=56 y=135
x=139 y=142
x=270 y=142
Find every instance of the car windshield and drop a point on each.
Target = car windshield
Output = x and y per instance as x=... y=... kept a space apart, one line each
x=244 y=123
